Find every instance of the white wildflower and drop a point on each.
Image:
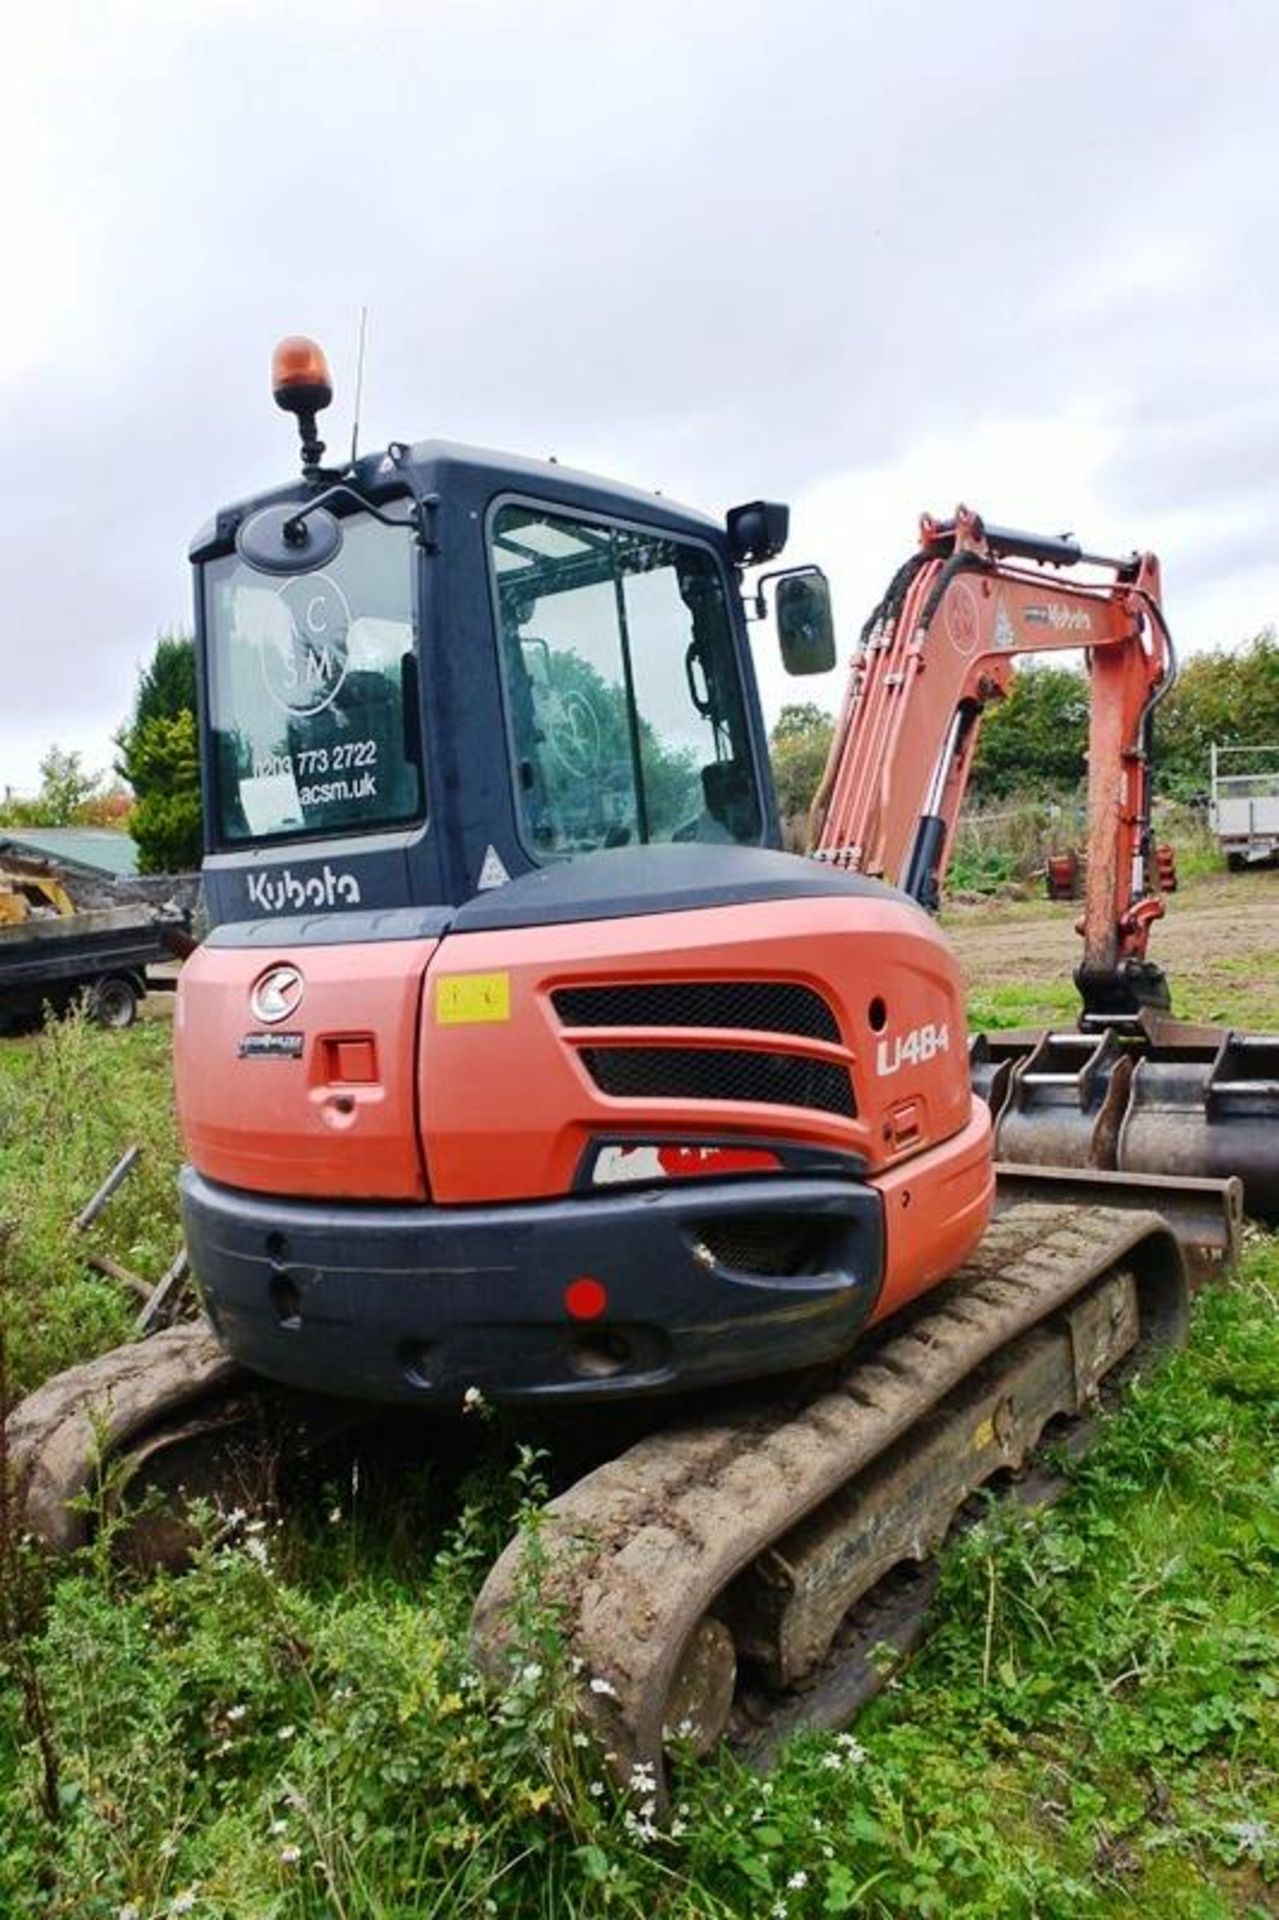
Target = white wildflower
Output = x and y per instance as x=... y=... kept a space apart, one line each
x=184 y=1902
x=640 y=1826
x=605 y=1688
x=256 y=1550
x=236 y=1517
x=853 y=1750
x=335 y=1516
x=128 y=1911
x=236 y=1713
x=797 y=1880
x=595 y=1789
x=286 y=1733
x=290 y=1855
x=1249 y=1833
x=531 y=1672
x=581 y=1739
x=473 y=1401
x=278 y=1827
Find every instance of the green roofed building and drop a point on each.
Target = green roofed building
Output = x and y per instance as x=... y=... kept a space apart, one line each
x=99 y=853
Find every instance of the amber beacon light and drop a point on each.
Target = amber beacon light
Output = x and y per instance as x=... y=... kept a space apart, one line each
x=301 y=384
x=300 y=375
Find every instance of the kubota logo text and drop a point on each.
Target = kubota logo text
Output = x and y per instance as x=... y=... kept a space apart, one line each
x=1060 y=619
x=283 y=892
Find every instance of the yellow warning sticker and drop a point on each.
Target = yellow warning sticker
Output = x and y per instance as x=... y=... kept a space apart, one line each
x=471 y=999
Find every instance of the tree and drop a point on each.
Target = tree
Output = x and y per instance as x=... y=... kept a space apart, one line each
x=162 y=765
x=1227 y=696
x=68 y=795
x=798 y=745
x=166 y=686
x=159 y=758
x=1036 y=736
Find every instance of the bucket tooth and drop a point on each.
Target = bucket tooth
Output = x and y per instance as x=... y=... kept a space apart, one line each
x=1065 y=1101
x=1214 y=1114
x=992 y=1060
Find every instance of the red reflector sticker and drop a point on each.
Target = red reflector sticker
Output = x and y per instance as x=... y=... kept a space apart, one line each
x=678 y=1161
x=685 y=1163
x=586 y=1299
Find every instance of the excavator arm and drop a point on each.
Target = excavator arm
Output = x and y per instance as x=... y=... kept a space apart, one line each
x=937 y=650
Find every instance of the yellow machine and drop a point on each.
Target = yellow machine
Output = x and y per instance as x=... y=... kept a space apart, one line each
x=31 y=896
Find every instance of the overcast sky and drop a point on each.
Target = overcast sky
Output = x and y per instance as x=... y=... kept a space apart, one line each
x=869 y=258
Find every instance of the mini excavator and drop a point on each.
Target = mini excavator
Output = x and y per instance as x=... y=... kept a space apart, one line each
x=519 y=1058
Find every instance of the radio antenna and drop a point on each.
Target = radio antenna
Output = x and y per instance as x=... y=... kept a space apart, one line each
x=359 y=382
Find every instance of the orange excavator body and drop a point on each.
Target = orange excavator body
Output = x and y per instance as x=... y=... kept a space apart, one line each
x=774 y=1070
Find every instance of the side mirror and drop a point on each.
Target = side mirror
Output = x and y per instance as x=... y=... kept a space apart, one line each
x=805 y=627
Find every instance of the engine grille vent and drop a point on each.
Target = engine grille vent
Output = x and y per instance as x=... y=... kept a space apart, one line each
x=766 y=1243
x=756 y=1006
x=722 y=1073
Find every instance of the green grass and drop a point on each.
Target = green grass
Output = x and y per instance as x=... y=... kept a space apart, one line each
x=1039 y=1004
x=293 y=1728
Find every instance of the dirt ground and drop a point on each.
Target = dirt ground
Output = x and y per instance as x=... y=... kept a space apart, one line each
x=1218 y=944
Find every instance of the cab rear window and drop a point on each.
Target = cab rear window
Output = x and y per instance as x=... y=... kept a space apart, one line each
x=311 y=684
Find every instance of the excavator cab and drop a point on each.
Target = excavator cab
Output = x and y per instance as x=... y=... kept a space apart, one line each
x=489 y=814
x=492 y=665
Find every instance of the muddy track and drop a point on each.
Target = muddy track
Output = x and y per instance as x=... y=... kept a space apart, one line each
x=639 y=1551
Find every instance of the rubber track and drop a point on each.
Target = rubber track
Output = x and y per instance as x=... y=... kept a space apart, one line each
x=57 y=1436
x=638 y=1550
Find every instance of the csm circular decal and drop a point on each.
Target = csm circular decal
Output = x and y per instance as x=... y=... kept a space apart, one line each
x=574 y=736
x=963 y=617
x=304 y=648
x=277 y=994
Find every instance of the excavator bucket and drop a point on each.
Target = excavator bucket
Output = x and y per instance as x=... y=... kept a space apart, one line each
x=1169 y=1100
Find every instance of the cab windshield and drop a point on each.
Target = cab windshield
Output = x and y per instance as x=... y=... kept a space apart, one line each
x=624 y=697
x=311 y=691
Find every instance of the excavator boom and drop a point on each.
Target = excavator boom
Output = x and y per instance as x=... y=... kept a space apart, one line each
x=935 y=653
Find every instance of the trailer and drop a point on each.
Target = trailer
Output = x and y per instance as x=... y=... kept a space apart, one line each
x=100 y=957
x=1243 y=809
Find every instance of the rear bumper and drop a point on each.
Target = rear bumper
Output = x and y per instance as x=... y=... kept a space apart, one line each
x=419 y=1303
